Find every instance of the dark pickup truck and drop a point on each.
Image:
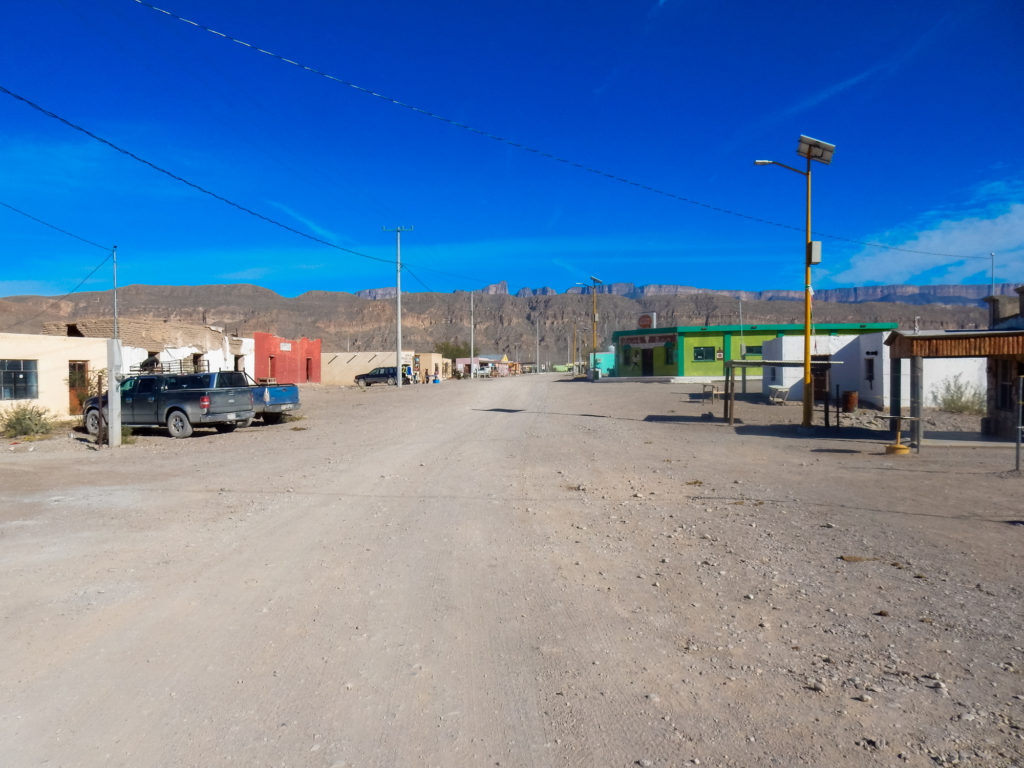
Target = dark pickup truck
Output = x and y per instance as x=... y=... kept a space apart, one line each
x=222 y=400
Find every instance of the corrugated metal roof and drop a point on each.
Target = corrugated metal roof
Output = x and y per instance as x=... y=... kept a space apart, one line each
x=956 y=343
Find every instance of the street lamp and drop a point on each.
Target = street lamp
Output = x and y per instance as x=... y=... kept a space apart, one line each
x=594 y=283
x=821 y=151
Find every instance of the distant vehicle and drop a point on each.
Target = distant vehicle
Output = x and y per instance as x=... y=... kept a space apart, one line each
x=272 y=401
x=180 y=402
x=382 y=375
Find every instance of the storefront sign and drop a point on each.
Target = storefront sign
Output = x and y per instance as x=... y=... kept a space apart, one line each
x=648 y=341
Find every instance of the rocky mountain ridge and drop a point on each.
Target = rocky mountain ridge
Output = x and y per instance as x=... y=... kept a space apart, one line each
x=515 y=325
x=906 y=294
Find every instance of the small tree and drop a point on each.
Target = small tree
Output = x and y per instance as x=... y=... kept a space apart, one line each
x=705 y=305
x=452 y=349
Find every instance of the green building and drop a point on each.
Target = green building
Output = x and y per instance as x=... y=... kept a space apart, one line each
x=697 y=351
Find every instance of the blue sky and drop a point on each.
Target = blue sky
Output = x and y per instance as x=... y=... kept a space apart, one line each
x=673 y=100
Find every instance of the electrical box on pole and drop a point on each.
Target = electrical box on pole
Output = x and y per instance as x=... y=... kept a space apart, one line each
x=814 y=252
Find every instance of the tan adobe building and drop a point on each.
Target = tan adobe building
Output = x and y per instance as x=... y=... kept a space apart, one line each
x=50 y=372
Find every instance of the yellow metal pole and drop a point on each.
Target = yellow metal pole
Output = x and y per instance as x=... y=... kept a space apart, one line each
x=808 y=384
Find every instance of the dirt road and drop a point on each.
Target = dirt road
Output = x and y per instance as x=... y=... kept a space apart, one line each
x=525 y=572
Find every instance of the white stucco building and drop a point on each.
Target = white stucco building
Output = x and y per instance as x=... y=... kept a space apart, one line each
x=864 y=368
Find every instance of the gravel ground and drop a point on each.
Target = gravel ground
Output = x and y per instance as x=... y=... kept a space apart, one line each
x=523 y=572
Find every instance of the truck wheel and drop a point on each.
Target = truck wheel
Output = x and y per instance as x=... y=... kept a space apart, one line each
x=225 y=428
x=92 y=422
x=392 y=382
x=272 y=418
x=178 y=424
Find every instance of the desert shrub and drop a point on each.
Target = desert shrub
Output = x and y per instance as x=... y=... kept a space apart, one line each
x=25 y=420
x=955 y=395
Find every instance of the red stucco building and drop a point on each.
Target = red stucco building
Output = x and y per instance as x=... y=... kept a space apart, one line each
x=292 y=361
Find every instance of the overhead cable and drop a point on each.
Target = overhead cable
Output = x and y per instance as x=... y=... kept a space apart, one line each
x=185 y=181
x=51 y=226
x=533 y=150
x=80 y=283
x=73 y=290
x=405 y=268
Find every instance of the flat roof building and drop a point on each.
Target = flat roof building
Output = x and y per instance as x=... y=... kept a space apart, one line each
x=700 y=352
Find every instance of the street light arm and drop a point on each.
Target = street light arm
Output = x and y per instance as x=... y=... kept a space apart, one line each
x=776 y=162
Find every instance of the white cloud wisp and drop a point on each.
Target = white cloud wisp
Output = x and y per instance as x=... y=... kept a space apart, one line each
x=974 y=236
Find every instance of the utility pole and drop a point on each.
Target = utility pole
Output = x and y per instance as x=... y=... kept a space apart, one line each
x=115 y=293
x=594 y=283
x=575 y=350
x=472 y=326
x=398 y=298
x=538 y=346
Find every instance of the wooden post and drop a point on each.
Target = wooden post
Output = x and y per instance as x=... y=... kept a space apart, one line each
x=916 y=400
x=895 y=392
x=730 y=387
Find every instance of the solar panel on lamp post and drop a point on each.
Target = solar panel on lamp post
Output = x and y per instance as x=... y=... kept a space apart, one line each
x=822 y=152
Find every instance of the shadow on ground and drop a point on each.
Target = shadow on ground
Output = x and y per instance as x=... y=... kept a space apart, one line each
x=813 y=433
x=704 y=418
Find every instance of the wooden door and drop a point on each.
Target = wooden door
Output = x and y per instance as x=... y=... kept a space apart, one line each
x=78 y=385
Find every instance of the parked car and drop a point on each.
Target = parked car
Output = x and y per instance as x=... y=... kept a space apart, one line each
x=386 y=374
x=272 y=401
x=180 y=402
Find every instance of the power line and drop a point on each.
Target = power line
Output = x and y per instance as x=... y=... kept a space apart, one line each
x=534 y=150
x=405 y=268
x=50 y=303
x=185 y=181
x=51 y=226
x=69 y=234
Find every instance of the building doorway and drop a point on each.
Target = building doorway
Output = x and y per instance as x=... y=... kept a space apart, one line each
x=820 y=377
x=646 y=362
x=78 y=385
x=272 y=369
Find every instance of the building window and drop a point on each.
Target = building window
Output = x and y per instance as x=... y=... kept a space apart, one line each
x=19 y=380
x=753 y=349
x=703 y=354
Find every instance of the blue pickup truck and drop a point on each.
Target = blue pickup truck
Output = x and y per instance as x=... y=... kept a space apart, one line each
x=272 y=401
